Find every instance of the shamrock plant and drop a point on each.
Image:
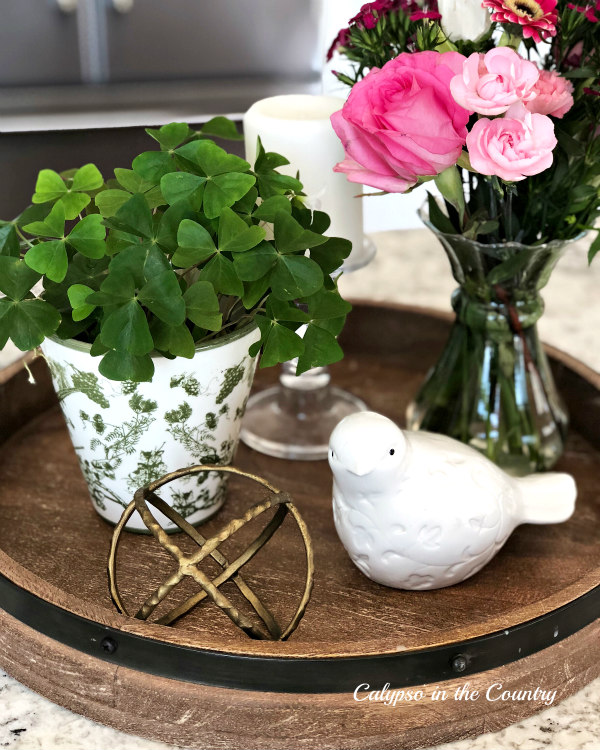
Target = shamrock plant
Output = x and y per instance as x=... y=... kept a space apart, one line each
x=188 y=245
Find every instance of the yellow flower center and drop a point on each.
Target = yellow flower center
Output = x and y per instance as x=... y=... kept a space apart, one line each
x=525 y=8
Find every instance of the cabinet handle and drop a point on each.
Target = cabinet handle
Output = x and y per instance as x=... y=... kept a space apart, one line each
x=122 y=6
x=67 y=6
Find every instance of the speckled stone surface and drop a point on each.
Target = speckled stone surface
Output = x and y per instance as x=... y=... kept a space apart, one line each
x=410 y=267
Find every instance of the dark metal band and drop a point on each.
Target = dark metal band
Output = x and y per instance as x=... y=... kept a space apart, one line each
x=298 y=675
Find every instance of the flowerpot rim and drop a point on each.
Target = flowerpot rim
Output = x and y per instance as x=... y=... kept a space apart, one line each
x=82 y=346
x=423 y=214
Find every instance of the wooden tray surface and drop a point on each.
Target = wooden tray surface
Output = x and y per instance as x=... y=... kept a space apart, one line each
x=54 y=545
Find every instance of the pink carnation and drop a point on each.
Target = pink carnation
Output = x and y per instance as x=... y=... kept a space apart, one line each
x=489 y=84
x=512 y=147
x=553 y=95
x=400 y=122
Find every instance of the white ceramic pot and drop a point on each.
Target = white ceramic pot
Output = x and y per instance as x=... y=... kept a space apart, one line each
x=127 y=434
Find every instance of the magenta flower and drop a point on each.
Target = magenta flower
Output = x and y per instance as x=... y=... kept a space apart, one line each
x=538 y=18
x=400 y=122
x=341 y=40
x=588 y=10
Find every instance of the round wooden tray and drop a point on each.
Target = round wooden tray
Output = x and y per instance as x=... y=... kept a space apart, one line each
x=527 y=620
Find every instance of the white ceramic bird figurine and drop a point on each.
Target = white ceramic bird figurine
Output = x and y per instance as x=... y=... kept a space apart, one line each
x=416 y=510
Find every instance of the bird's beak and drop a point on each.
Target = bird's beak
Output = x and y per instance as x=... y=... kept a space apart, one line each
x=359 y=468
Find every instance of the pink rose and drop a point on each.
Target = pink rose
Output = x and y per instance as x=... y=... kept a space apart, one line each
x=553 y=95
x=400 y=122
x=512 y=147
x=489 y=84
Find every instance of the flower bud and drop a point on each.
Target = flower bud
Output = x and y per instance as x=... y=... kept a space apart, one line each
x=463 y=19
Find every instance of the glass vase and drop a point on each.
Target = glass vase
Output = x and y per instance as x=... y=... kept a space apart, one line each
x=492 y=386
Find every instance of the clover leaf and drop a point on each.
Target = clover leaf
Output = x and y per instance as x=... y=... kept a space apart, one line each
x=78 y=293
x=109 y=201
x=202 y=306
x=175 y=340
x=172 y=135
x=279 y=343
x=27 y=322
x=119 y=365
x=188 y=243
x=73 y=198
x=9 y=241
x=226 y=179
x=270 y=181
x=16 y=278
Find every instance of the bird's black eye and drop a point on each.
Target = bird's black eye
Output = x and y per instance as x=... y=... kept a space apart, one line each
x=392 y=451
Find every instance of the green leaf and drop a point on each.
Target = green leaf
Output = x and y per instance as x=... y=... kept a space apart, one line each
x=152 y=165
x=126 y=329
x=78 y=293
x=279 y=344
x=125 y=366
x=510 y=267
x=439 y=219
x=176 y=340
x=171 y=135
x=254 y=291
x=74 y=203
x=52 y=226
x=221 y=127
x=269 y=208
x=220 y=272
x=140 y=263
x=87 y=178
x=195 y=244
x=134 y=217
x=87 y=236
x=327 y=305
x=9 y=241
x=177 y=186
x=212 y=159
x=271 y=182
x=118 y=288
x=223 y=190
x=16 y=277
x=594 y=248
x=266 y=161
x=320 y=349
x=27 y=322
x=331 y=254
x=291 y=237
x=81 y=270
x=253 y=266
x=285 y=311
x=202 y=306
x=49 y=258
x=110 y=201
x=295 y=276
x=235 y=235
x=49 y=186
x=162 y=296
x=245 y=206
x=169 y=224
x=131 y=181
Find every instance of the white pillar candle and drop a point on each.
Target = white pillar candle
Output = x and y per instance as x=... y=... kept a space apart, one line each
x=299 y=128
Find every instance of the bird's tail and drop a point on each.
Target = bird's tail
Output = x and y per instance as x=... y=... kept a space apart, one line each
x=547 y=498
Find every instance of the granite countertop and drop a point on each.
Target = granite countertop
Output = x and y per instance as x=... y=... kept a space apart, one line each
x=409 y=268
